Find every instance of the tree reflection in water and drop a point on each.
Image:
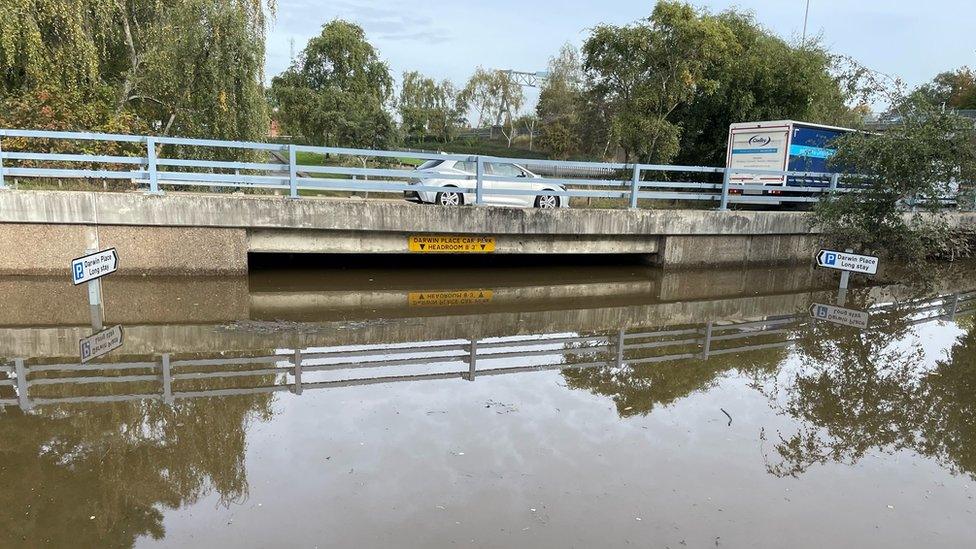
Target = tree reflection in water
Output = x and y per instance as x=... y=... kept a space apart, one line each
x=858 y=392
x=113 y=467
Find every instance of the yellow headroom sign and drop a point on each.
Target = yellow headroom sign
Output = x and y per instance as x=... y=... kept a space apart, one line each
x=449 y=298
x=451 y=244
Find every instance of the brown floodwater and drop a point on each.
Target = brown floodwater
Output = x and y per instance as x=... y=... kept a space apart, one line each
x=548 y=406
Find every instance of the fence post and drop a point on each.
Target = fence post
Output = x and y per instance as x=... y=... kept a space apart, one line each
x=834 y=179
x=151 y=162
x=472 y=359
x=634 y=186
x=724 y=204
x=167 y=380
x=2 y=185
x=292 y=172
x=479 y=182
x=25 y=403
x=298 y=372
x=707 y=345
x=621 y=337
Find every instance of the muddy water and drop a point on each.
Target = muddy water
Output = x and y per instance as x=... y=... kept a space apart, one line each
x=540 y=407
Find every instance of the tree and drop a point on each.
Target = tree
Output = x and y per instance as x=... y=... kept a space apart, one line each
x=645 y=71
x=496 y=98
x=428 y=108
x=954 y=89
x=560 y=101
x=761 y=78
x=192 y=67
x=910 y=166
x=335 y=94
x=204 y=80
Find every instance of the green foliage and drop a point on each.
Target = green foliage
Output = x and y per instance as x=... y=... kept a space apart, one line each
x=761 y=78
x=192 y=67
x=495 y=97
x=912 y=164
x=645 y=71
x=954 y=89
x=203 y=80
x=335 y=93
x=45 y=44
x=428 y=108
x=560 y=103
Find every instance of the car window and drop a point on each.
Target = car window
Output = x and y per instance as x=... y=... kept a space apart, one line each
x=507 y=170
x=466 y=166
x=429 y=164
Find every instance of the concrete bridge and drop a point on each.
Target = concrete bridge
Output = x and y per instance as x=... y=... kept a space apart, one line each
x=176 y=233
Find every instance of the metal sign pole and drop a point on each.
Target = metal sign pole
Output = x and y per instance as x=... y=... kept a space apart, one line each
x=95 y=299
x=845 y=276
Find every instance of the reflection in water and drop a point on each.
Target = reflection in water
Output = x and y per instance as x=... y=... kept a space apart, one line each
x=113 y=466
x=874 y=390
x=97 y=454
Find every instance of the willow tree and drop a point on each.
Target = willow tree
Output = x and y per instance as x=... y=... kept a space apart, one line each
x=62 y=44
x=192 y=67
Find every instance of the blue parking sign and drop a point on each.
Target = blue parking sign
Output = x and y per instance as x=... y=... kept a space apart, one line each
x=830 y=259
x=79 y=271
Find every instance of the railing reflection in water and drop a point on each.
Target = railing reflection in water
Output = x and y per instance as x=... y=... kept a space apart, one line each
x=169 y=376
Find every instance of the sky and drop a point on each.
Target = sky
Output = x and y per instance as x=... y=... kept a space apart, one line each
x=449 y=39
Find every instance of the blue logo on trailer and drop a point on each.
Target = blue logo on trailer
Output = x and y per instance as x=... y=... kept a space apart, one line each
x=830 y=259
x=79 y=271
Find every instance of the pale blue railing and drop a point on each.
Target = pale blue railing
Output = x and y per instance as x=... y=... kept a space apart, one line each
x=628 y=182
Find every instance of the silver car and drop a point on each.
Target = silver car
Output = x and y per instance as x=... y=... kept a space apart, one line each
x=453 y=196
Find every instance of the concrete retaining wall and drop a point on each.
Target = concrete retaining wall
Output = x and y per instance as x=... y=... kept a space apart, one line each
x=34 y=248
x=41 y=231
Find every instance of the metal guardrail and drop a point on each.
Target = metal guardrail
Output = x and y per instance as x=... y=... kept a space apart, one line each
x=627 y=182
x=165 y=377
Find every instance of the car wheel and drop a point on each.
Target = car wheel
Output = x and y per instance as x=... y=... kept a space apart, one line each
x=448 y=198
x=548 y=202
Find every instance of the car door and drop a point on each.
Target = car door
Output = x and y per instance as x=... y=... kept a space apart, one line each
x=506 y=169
x=466 y=168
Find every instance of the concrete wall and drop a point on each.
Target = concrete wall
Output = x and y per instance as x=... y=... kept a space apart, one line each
x=47 y=249
x=699 y=251
x=41 y=231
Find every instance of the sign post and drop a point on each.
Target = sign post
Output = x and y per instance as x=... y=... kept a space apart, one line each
x=847 y=262
x=90 y=268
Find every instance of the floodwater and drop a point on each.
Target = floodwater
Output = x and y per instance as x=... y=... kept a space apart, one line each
x=561 y=406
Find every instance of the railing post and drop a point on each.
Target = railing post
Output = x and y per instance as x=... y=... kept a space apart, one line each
x=472 y=359
x=621 y=336
x=298 y=372
x=634 y=186
x=834 y=180
x=707 y=345
x=726 y=177
x=151 y=164
x=955 y=308
x=292 y=172
x=2 y=185
x=479 y=181
x=167 y=380
x=22 y=398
